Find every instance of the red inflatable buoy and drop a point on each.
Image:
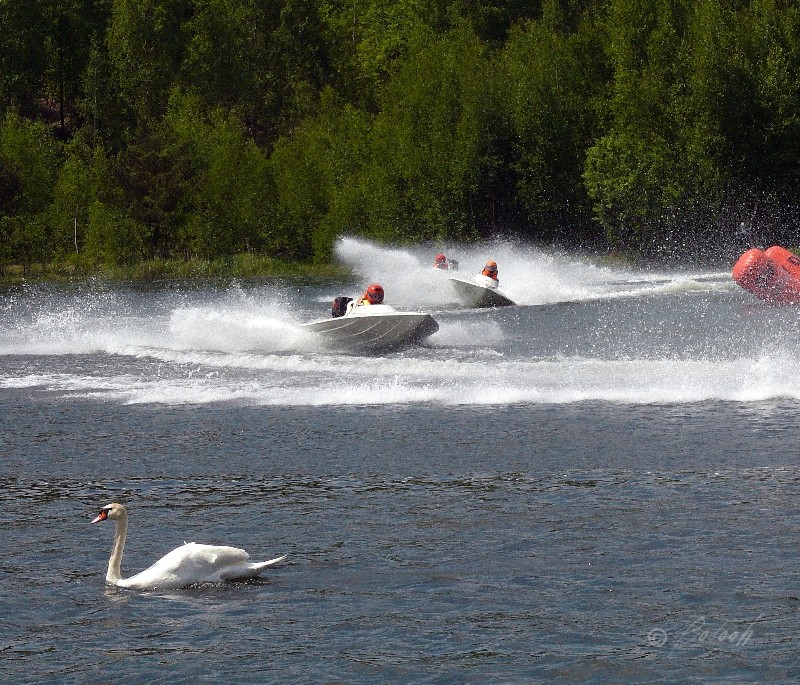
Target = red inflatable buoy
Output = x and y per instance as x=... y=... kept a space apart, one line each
x=773 y=274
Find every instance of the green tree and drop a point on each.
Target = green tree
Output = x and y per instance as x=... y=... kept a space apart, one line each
x=227 y=62
x=106 y=113
x=73 y=194
x=75 y=28
x=553 y=82
x=645 y=174
x=431 y=144
x=302 y=191
x=30 y=159
x=343 y=133
x=769 y=63
x=147 y=44
x=299 y=60
x=493 y=20
x=152 y=179
x=227 y=208
x=23 y=55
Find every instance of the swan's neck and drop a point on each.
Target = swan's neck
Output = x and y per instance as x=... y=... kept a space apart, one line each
x=114 y=575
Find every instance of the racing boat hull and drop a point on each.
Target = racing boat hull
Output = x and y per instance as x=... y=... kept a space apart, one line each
x=374 y=328
x=479 y=293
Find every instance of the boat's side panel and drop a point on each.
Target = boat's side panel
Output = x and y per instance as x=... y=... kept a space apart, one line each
x=375 y=332
x=476 y=295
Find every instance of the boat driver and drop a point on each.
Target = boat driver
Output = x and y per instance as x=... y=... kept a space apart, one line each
x=490 y=270
x=443 y=262
x=373 y=295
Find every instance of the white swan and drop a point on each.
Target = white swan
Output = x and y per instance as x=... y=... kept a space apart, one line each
x=183 y=566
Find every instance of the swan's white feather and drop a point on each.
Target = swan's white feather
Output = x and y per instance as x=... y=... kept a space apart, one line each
x=192 y=563
x=189 y=564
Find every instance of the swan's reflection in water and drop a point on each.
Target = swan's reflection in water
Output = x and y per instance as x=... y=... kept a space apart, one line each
x=182 y=623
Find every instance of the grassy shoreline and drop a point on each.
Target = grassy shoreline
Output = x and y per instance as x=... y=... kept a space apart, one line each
x=235 y=267
x=238 y=266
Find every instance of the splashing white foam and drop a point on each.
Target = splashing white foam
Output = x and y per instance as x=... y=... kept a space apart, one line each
x=246 y=344
x=528 y=275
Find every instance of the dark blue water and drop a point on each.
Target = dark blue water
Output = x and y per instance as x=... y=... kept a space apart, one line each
x=595 y=490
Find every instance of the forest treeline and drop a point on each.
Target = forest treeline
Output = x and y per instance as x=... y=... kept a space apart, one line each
x=133 y=130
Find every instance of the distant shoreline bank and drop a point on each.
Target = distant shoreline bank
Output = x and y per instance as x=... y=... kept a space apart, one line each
x=252 y=266
x=238 y=266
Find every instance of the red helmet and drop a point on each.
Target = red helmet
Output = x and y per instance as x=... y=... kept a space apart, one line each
x=440 y=258
x=374 y=293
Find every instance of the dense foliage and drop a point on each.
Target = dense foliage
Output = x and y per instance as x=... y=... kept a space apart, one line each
x=140 y=129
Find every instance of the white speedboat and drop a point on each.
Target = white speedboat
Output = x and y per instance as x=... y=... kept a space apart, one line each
x=374 y=328
x=479 y=291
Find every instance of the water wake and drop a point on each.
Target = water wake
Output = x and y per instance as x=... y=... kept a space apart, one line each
x=585 y=332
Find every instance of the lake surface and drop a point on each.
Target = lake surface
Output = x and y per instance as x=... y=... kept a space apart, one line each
x=600 y=485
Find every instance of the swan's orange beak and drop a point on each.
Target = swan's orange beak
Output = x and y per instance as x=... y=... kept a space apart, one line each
x=102 y=516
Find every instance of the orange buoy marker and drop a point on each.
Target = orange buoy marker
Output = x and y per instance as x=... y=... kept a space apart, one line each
x=772 y=275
